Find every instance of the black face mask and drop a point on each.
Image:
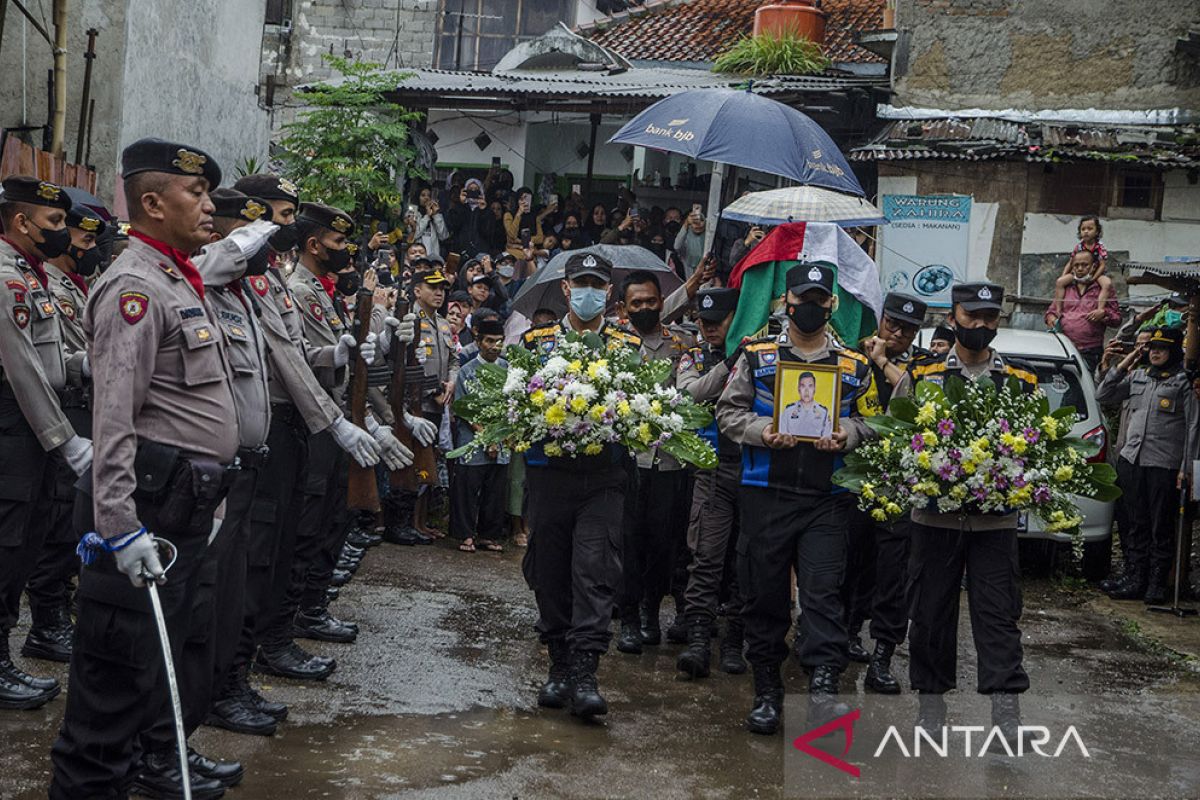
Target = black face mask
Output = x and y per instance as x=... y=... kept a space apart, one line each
x=672 y=228
x=974 y=338
x=659 y=250
x=54 y=243
x=645 y=320
x=284 y=239
x=808 y=317
x=258 y=263
x=336 y=260
x=348 y=283
x=86 y=261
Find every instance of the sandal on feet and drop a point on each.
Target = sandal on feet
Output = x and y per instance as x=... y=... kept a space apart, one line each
x=490 y=546
x=467 y=546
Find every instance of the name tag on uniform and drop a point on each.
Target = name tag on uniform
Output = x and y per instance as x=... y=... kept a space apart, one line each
x=851 y=380
x=191 y=313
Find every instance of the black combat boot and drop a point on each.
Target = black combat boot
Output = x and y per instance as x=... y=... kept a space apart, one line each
x=1132 y=586
x=556 y=691
x=732 y=662
x=679 y=631
x=856 y=651
x=931 y=712
x=236 y=710
x=1156 y=585
x=226 y=773
x=1112 y=582
x=767 y=713
x=585 y=699
x=159 y=777
x=823 y=704
x=277 y=711
x=651 y=627
x=320 y=625
x=630 y=639
x=292 y=661
x=11 y=673
x=879 y=672
x=49 y=636
x=693 y=661
x=1006 y=715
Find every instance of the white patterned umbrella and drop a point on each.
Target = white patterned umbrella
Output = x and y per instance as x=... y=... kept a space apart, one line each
x=803 y=204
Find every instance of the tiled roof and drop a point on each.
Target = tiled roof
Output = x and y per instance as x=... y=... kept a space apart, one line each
x=700 y=30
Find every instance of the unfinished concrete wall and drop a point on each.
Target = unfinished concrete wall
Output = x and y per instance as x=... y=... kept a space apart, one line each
x=26 y=58
x=1047 y=54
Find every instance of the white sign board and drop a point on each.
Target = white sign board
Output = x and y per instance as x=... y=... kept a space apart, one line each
x=924 y=248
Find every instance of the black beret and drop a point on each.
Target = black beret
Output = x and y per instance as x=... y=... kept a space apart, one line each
x=589 y=264
x=269 y=187
x=977 y=296
x=802 y=277
x=86 y=220
x=156 y=155
x=24 y=189
x=716 y=304
x=327 y=217
x=233 y=204
x=904 y=308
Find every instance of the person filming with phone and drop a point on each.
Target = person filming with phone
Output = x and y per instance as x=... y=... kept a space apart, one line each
x=689 y=244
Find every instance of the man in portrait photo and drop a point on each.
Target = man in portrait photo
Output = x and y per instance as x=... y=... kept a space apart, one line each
x=806 y=417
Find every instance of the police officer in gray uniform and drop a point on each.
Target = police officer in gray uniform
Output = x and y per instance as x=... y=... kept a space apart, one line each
x=49 y=587
x=34 y=431
x=1160 y=443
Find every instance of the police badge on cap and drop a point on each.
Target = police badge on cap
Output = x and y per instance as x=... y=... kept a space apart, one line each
x=803 y=277
x=156 y=155
x=977 y=296
x=327 y=217
x=268 y=187
x=904 y=308
x=232 y=204
x=24 y=189
x=716 y=304
x=581 y=264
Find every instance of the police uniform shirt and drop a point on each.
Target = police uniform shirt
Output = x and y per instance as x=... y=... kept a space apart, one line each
x=544 y=338
x=702 y=374
x=1160 y=429
x=436 y=352
x=159 y=373
x=323 y=325
x=70 y=300
x=31 y=349
x=806 y=419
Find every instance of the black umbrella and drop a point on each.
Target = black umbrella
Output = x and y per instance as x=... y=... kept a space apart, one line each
x=544 y=289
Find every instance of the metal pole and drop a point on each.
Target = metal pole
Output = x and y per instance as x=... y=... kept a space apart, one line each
x=33 y=21
x=91 y=116
x=714 y=204
x=89 y=57
x=1180 y=555
x=587 y=184
x=59 y=129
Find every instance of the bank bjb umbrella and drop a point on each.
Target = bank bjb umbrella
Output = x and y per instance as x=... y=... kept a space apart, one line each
x=544 y=289
x=744 y=129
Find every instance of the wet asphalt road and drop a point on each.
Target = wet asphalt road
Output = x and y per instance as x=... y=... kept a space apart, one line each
x=436 y=700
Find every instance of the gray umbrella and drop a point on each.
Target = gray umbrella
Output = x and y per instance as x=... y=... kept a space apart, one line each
x=544 y=289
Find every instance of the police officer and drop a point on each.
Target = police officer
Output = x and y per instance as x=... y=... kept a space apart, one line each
x=34 y=432
x=658 y=520
x=162 y=394
x=876 y=573
x=792 y=517
x=1160 y=442
x=943 y=545
x=713 y=528
x=576 y=508
x=50 y=585
x=322 y=279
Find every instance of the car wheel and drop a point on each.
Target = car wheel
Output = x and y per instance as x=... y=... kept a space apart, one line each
x=1097 y=559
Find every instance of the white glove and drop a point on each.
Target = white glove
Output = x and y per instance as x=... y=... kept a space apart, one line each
x=395 y=455
x=355 y=441
x=367 y=349
x=139 y=557
x=401 y=330
x=251 y=238
x=85 y=366
x=341 y=350
x=422 y=429
x=78 y=453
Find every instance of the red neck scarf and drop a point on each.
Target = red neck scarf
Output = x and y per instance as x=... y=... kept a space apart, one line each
x=36 y=263
x=329 y=284
x=180 y=259
x=78 y=281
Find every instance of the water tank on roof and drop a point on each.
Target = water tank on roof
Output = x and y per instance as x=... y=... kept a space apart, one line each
x=796 y=17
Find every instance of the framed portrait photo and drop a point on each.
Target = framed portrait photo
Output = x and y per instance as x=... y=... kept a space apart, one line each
x=807 y=399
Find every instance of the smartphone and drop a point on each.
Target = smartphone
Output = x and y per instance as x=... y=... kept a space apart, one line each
x=576 y=188
x=696 y=209
x=525 y=237
x=633 y=212
x=495 y=161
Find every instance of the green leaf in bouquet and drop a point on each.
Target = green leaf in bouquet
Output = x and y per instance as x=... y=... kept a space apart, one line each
x=1102 y=473
x=902 y=408
x=592 y=340
x=465 y=407
x=1106 y=492
x=955 y=390
x=890 y=426
x=656 y=371
x=850 y=478
x=1084 y=447
x=691 y=449
x=1067 y=414
x=694 y=415
x=927 y=392
x=465 y=450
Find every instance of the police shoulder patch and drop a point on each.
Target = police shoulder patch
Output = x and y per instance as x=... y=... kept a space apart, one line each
x=67 y=308
x=259 y=284
x=133 y=306
x=21 y=316
x=315 y=309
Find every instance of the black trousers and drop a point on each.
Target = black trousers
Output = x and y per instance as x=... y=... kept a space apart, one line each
x=478 y=497
x=322 y=524
x=1153 y=501
x=712 y=528
x=782 y=530
x=859 y=586
x=274 y=522
x=50 y=584
x=27 y=479
x=221 y=597
x=657 y=535
x=876 y=585
x=575 y=551
x=939 y=556
x=118 y=688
